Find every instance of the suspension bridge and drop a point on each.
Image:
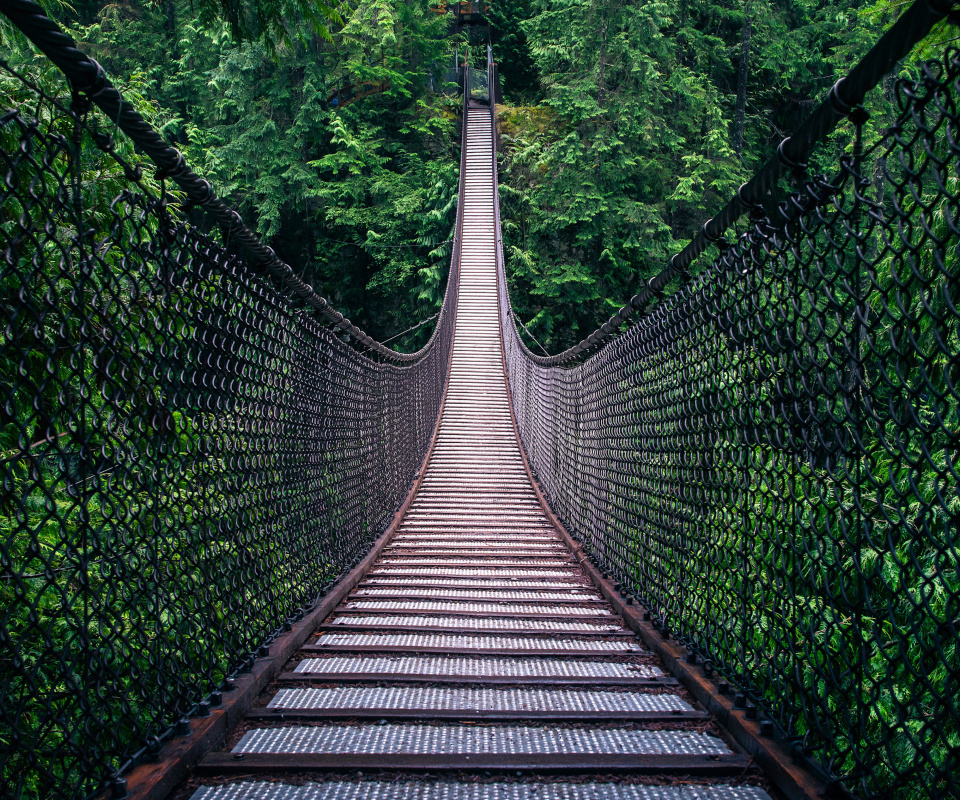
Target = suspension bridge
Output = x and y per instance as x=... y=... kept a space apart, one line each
x=709 y=552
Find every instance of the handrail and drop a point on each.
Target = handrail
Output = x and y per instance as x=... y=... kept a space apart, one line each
x=843 y=99
x=88 y=78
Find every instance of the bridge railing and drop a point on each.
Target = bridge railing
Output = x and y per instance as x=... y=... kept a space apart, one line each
x=768 y=456
x=193 y=445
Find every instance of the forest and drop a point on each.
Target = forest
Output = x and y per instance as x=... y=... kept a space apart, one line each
x=331 y=128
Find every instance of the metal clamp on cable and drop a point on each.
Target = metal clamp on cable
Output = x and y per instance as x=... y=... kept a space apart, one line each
x=718 y=240
x=856 y=113
x=798 y=167
x=748 y=204
x=207 y=194
x=177 y=169
x=678 y=269
x=97 y=85
x=657 y=293
x=840 y=105
x=712 y=238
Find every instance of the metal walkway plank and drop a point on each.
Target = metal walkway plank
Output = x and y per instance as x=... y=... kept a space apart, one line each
x=423 y=790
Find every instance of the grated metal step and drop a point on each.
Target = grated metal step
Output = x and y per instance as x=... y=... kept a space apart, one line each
x=493 y=580
x=467 y=568
x=423 y=790
x=452 y=641
x=423 y=739
x=479 y=607
x=479 y=623
x=475 y=667
x=509 y=536
x=538 y=591
x=454 y=538
x=474 y=551
x=460 y=699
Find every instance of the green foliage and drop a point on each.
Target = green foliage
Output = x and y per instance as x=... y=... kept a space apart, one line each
x=271 y=20
x=511 y=51
x=318 y=141
x=641 y=147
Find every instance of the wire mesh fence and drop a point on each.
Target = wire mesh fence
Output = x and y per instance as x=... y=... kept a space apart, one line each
x=190 y=453
x=768 y=457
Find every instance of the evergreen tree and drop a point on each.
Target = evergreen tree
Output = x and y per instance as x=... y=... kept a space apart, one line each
x=331 y=146
x=638 y=150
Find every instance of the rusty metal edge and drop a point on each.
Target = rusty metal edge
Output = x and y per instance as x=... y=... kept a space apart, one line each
x=794 y=781
x=637 y=763
x=157 y=780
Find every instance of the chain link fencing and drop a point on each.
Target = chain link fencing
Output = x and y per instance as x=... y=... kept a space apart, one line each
x=193 y=447
x=768 y=456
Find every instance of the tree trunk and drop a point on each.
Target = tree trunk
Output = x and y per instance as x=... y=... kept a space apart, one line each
x=740 y=113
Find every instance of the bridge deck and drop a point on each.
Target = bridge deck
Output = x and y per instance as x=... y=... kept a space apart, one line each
x=475 y=647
